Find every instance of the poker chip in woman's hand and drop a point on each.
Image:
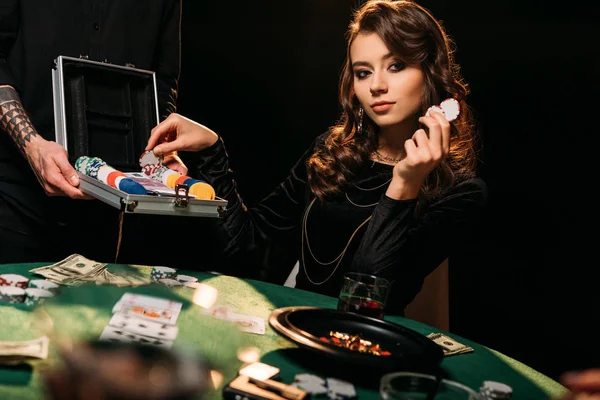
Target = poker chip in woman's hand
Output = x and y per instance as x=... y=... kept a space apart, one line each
x=449 y=108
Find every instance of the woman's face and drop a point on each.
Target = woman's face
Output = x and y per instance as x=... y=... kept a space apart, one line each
x=388 y=89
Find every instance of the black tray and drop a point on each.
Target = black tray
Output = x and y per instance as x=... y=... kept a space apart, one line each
x=409 y=350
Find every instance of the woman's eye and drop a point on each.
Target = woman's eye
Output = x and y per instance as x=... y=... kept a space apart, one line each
x=361 y=74
x=397 y=66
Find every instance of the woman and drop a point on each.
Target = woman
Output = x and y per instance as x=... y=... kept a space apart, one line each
x=390 y=189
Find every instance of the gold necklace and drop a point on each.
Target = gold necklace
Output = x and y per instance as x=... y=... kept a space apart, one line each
x=383 y=158
x=366 y=190
x=360 y=205
x=338 y=258
x=373 y=188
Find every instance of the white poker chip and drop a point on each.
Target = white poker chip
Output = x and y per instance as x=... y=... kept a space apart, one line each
x=149 y=158
x=14 y=280
x=37 y=296
x=170 y=282
x=186 y=279
x=12 y=294
x=44 y=284
x=451 y=109
x=496 y=387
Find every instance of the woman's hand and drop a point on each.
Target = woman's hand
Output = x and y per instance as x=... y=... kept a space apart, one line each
x=582 y=385
x=423 y=154
x=178 y=133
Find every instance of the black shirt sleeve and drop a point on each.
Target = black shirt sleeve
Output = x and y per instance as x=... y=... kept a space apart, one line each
x=279 y=214
x=9 y=25
x=404 y=248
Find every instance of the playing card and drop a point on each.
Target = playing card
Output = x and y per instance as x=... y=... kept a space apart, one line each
x=144 y=327
x=149 y=307
x=219 y=311
x=118 y=335
x=249 y=323
x=260 y=371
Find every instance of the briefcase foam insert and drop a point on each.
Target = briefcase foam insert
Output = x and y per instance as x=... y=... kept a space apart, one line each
x=109 y=113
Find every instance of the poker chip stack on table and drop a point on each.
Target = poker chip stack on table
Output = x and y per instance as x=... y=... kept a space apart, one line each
x=12 y=288
x=159 y=273
x=335 y=389
x=12 y=295
x=495 y=390
x=35 y=296
x=44 y=284
x=18 y=289
x=14 y=280
x=169 y=277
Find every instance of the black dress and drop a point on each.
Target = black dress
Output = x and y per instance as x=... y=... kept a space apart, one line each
x=362 y=230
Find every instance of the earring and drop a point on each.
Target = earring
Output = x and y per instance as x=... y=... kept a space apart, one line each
x=360 y=121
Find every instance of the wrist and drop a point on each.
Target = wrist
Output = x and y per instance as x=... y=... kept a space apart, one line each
x=33 y=144
x=399 y=189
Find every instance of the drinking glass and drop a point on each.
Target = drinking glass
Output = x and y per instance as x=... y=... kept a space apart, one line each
x=363 y=294
x=416 y=386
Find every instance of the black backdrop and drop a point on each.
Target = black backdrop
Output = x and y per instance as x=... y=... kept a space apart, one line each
x=264 y=75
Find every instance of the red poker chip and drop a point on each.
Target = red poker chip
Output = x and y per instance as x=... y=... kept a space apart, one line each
x=14 y=280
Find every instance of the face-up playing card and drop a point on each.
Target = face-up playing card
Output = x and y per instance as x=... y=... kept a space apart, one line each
x=118 y=335
x=249 y=323
x=149 y=307
x=143 y=326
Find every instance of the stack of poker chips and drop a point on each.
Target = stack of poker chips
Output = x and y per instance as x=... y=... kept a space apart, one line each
x=200 y=189
x=12 y=294
x=159 y=273
x=35 y=296
x=12 y=288
x=44 y=284
x=96 y=168
x=14 y=280
x=153 y=167
x=495 y=390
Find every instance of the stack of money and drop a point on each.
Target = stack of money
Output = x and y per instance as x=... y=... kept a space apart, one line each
x=450 y=346
x=22 y=351
x=76 y=270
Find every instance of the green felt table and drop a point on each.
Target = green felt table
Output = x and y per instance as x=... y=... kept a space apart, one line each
x=81 y=313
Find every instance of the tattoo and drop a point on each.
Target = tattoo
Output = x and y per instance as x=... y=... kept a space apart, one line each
x=14 y=119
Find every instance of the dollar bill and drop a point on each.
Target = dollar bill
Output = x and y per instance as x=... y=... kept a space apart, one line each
x=77 y=269
x=449 y=345
x=19 y=351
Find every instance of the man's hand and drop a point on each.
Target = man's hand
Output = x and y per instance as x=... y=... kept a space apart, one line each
x=51 y=166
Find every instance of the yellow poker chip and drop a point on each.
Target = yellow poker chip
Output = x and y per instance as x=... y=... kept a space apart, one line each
x=202 y=191
x=171 y=179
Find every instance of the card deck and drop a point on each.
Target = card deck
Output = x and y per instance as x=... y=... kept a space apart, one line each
x=144 y=327
x=149 y=307
x=118 y=335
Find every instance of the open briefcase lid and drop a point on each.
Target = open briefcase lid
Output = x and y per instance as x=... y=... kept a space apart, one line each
x=108 y=111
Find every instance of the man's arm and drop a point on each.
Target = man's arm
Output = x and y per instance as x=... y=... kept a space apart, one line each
x=48 y=160
x=14 y=120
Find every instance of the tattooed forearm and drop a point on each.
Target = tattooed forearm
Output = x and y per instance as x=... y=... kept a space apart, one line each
x=14 y=119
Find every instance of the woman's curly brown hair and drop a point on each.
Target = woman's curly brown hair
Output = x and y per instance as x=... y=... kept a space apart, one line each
x=411 y=32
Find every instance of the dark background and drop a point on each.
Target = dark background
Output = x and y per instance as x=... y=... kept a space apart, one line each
x=264 y=75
